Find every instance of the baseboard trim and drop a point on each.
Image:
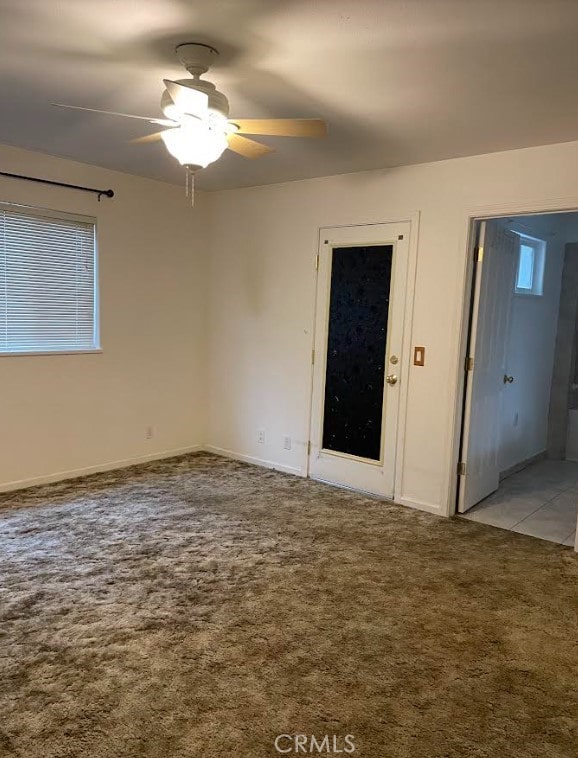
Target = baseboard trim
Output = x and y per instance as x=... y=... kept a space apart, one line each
x=295 y=470
x=419 y=505
x=415 y=504
x=522 y=465
x=61 y=476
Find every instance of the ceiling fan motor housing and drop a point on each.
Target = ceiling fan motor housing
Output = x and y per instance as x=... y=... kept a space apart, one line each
x=197 y=58
x=218 y=103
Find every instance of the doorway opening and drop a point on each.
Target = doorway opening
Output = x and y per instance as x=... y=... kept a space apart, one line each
x=518 y=466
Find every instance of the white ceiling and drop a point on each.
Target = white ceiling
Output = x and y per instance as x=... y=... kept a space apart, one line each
x=398 y=81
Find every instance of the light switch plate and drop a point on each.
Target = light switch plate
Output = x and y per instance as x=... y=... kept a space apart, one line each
x=419 y=356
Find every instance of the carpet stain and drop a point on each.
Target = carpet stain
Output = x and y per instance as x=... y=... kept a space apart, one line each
x=201 y=607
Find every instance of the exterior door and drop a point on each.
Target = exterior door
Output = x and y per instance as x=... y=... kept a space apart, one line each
x=492 y=301
x=358 y=370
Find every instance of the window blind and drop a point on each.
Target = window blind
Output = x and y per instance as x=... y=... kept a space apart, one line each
x=47 y=283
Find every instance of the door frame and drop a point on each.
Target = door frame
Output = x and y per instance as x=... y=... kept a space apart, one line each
x=412 y=219
x=469 y=239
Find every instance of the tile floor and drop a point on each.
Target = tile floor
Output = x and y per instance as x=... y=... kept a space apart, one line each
x=541 y=501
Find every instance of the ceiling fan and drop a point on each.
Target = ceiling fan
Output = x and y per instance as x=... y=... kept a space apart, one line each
x=197 y=129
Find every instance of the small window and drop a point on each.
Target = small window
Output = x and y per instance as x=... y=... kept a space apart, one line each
x=530 y=270
x=48 y=283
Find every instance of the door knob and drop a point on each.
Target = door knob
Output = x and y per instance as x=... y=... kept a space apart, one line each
x=508 y=379
x=391 y=379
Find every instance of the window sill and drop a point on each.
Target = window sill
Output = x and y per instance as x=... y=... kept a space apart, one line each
x=29 y=353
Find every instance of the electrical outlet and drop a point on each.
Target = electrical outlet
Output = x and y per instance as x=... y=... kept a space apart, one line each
x=149 y=433
x=287 y=443
x=261 y=436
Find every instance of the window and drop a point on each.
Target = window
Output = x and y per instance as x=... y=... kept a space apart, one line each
x=531 y=261
x=48 y=282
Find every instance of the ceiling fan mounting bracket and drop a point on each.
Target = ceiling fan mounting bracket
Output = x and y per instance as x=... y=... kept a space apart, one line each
x=196 y=57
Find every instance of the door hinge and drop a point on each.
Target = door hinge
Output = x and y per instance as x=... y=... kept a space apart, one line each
x=317 y=262
x=309 y=448
x=479 y=254
x=313 y=357
x=469 y=364
x=461 y=468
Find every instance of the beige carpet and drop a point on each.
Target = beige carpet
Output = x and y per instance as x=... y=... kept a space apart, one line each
x=201 y=607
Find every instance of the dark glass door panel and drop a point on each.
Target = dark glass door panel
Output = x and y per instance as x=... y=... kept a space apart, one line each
x=356 y=341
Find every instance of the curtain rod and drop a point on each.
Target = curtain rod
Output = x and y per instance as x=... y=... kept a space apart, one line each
x=99 y=192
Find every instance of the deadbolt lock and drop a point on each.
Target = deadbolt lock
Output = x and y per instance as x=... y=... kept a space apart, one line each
x=391 y=379
x=394 y=359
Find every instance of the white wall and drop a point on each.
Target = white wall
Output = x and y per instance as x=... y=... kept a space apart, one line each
x=65 y=413
x=69 y=413
x=262 y=291
x=530 y=350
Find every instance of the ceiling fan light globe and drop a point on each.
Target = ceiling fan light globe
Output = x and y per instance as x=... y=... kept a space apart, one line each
x=195 y=144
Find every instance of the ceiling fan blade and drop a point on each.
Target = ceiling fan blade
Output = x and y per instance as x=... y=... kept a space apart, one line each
x=248 y=148
x=160 y=121
x=155 y=137
x=282 y=127
x=188 y=100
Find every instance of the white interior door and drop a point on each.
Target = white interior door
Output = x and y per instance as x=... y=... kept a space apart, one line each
x=493 y=291
x=358 y=370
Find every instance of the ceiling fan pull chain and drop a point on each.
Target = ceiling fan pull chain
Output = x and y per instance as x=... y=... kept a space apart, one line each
x=190 y=185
